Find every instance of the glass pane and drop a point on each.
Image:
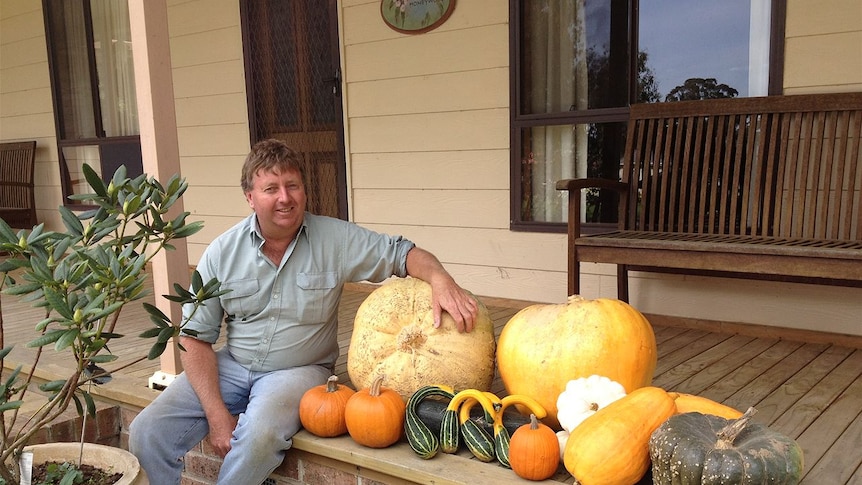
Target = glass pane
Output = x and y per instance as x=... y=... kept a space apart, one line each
x=71 y=68
x=574 y=56
x=75 y=158
x=704 y=49
x=112 y=45
x=552 y=153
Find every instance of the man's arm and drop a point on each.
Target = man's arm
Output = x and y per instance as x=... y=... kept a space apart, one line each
x=201 y=367
x=445 y=293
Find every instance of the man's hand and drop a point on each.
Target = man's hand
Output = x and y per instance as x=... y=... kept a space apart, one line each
x=449 y=297
x=221 y=432
x=446 y=295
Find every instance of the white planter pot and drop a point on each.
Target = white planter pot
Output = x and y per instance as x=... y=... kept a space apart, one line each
x=117 y=460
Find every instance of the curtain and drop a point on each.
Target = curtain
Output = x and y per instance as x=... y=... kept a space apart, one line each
x=112 y=41
x=558 y=59
x=76 y=96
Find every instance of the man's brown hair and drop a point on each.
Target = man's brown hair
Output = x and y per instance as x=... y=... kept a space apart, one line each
x=271 y=156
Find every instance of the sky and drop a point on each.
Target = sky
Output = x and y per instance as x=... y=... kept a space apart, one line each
x=696 y=38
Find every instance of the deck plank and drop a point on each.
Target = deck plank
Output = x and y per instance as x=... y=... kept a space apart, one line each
x=785 y=400
x=719 y=359
x=828 y=448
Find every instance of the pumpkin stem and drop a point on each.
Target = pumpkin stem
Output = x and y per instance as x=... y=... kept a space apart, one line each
x=728 y=434
x=332 y=384
x=534 y=422
x=375 y=386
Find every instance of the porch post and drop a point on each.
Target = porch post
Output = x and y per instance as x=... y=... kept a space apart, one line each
x=160 y=150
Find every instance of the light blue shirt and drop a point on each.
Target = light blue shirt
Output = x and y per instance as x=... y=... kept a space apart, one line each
x=287 y=316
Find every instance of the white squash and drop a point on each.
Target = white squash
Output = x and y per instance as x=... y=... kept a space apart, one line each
x=584 y=396
x=394 y=335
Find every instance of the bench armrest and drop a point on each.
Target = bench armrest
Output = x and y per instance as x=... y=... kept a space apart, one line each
x=574 y=187
x=591 y=183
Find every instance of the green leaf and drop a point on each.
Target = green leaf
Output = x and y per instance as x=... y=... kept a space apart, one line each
x=197 y=281
x=156 y=350
x=150 y=332
x=103 y=358
x=23 y=289
x=52 y=386
x=10 y=405
x=10 y=381
x=91 y=405
x=58 y=303
x=65 y=340
x=5 y=350
x=49 y=338
x=7 y=234
x=166 y=333
x=188 y=229
x=95 y=181
x=71 y=221
x=119 y=177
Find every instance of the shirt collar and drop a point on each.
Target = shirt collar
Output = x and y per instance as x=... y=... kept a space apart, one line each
x=256 y=236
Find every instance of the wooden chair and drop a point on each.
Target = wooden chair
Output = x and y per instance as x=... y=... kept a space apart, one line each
x=17 y=193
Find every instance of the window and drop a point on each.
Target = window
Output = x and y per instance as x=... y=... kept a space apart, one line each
x=577 y=66
x=92 y=77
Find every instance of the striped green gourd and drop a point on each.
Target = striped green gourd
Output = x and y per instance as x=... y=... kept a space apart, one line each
x=420 y=438
x=478 y=441
x=450 y=426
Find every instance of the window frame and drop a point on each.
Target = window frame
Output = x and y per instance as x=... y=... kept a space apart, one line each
x=100 y=140
x=518 y=121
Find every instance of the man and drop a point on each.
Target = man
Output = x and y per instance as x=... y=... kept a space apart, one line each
x=285 y=269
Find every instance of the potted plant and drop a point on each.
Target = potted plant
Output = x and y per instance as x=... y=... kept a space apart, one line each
x=83 y=278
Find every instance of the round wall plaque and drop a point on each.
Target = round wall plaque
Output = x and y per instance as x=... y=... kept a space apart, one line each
x=415 y=16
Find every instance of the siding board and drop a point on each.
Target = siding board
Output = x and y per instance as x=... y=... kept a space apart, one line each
x=445 y=208
x=469 y=169
x=467 y=130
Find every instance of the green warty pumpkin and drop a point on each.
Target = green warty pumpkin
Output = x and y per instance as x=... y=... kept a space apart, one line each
x=695 y=448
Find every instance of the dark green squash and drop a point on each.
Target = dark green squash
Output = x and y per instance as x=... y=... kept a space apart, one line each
x=695 y=448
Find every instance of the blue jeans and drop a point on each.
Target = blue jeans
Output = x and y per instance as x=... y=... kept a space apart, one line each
x=268 y=407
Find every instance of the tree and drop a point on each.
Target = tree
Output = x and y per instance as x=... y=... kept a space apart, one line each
x=701 y=88
x=647 y=85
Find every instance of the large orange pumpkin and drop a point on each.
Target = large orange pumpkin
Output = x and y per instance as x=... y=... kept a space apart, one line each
x=544 y=346
x=394 y=335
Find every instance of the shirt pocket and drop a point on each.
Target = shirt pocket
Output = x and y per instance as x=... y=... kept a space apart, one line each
x=243 y=300
x=317 y=298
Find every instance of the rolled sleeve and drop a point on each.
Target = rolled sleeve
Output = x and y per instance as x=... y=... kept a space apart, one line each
x=372 y=256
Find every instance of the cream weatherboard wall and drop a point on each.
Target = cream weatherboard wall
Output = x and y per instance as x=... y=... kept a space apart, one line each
x=26 y=111
x=427 y=138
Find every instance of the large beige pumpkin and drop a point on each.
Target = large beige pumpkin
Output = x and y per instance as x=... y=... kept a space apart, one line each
x=394 y=335
x=544 y=346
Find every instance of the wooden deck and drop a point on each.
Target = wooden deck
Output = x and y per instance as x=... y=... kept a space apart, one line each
x=810 y=390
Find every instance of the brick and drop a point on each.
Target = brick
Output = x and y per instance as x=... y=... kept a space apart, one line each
x=313 y=473
x=289 y=468
x=201 y=466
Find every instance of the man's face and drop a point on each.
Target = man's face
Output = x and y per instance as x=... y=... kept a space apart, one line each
x=279 y=200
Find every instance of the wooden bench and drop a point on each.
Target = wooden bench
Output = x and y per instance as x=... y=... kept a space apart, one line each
x=759 y=188
x=17 y=191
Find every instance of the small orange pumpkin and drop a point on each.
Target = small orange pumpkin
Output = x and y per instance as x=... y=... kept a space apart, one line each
x=534 y=451
x=321 y=409
x=375 y=415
